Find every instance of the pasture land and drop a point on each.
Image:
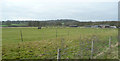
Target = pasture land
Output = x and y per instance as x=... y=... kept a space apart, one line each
x=75 y=43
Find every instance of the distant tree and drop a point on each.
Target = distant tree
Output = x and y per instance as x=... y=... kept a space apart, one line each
x=8 y=22
x=29 y=23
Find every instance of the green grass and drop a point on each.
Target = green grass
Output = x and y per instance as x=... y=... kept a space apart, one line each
x=13 y=25
x=4 y=25
x=43 y=44
x=19 y=24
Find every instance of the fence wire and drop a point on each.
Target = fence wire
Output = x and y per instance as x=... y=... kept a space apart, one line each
x=82 y=49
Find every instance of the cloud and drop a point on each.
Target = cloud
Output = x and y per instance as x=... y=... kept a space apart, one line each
x=55 y=9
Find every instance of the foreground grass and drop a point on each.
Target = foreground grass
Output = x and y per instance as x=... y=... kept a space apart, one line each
x=43 y=43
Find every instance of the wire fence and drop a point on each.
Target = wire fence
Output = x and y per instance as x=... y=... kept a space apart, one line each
x=86 y=48
x=89 y=48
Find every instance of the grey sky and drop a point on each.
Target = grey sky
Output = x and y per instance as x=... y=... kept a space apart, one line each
x=59 y=9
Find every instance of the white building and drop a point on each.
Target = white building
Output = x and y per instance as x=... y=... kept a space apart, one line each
x=113 y=27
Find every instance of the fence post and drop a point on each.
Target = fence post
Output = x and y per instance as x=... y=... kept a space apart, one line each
x=110 y=41
x=19 y=50
x=92 y=45
x=62 y=43
x=68 y=34
x=81 y=51
x=43 y=35
x=58 y=55
x=21 y=35
x=56 y=34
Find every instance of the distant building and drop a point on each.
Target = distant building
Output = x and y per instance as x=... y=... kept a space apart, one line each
x=100 y=26
x=73 y=26
x=88 y=26
x=104 y=26
x=95 y=26
x=92 y=26
x=113 y=27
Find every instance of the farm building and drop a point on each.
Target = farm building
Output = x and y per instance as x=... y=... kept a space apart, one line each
x=95 y=26
x=104 y=26
x=113 y=27
x=88 y=26
x=100 y=26
x=73 y=26
x=92 y=26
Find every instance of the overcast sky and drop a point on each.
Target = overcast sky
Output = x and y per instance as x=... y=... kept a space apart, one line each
x=81 y=10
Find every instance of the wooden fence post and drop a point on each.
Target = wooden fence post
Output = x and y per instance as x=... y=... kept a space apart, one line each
x=58 y=55
x=43 y=35
x=21 y=35
x=92 y=46
x=68 y=34
x=62 y=43
x=110 y=38
x=56 y=34
x=81 y=51
x=19 y=51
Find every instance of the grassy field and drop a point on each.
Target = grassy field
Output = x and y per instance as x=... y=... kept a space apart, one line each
x=75 y=43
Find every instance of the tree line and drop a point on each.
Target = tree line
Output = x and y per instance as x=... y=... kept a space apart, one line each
x=61 y=22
